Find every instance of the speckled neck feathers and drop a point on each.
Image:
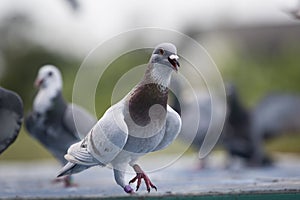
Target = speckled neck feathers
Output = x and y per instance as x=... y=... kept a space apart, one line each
x=152 y=90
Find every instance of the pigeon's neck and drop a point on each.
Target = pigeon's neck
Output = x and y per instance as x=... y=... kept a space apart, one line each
x=57 y=109
x=44 y=100
x=158 y=74
x=238 y=114
x=152 y=90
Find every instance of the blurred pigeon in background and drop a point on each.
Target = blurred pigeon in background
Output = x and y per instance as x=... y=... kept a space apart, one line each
x=236 y=136
x=274 y=115
x=142 y=122
x=53 y=122
x=11 y=116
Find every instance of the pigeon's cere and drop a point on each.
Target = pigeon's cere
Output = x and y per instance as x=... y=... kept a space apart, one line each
x=11 y=116
x=140 y=123
x=53 y=122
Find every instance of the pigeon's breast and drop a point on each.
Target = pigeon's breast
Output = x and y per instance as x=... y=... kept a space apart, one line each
x=143 y=99
x=146 y=118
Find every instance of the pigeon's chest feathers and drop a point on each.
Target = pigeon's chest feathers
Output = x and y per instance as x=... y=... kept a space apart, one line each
x=50 y=108
x=44 y=100
x=146 y=102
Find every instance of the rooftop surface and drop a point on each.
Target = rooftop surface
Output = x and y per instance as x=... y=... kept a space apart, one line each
x=180 y=180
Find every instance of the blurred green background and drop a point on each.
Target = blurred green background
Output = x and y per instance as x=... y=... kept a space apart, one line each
x=258 y=57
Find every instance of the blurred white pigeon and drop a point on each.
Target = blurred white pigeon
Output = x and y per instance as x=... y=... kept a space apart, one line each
x=11 y=116
x=140 y=123
x=52 y=121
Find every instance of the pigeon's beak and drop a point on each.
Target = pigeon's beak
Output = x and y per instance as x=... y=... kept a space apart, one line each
x=38 y=82
x=173 y=60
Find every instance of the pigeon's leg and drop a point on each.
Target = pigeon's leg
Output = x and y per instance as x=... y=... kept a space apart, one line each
x=140 y=174
x=67 y=180
x=119 y=177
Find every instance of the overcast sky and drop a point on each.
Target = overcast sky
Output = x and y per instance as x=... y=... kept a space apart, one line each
x=96 y=21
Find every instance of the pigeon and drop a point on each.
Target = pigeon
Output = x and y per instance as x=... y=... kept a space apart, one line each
x=237 y=136
x=140 y=123
x=274 y=115
x=11 y=117
x=52 y=121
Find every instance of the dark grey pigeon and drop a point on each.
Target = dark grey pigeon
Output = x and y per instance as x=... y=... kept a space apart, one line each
x=274 y=115
x=52 y=121
x=140 y=123
x=237 y=137
x=11 y=116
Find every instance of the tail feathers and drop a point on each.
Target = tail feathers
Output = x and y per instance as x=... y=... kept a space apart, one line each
x=79 y=159
x=71 y=168
x=78 y=153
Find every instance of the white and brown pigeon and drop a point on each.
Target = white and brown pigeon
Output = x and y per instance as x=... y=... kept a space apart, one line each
x=140 y=123
x=11 y=116
x=54 y=122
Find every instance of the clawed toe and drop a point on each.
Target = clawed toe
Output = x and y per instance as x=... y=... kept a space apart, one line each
x=139 y=177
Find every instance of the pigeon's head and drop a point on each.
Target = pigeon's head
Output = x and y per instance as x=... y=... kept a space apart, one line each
x=166 y=54
x=48 y=77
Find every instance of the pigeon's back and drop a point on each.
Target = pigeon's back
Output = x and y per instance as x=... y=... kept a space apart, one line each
x=276 y=114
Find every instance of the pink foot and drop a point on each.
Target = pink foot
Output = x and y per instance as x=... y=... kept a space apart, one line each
x=140 y=174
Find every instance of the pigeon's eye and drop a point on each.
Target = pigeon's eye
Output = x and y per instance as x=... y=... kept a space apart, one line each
x=161 y=51
x=50 y=73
